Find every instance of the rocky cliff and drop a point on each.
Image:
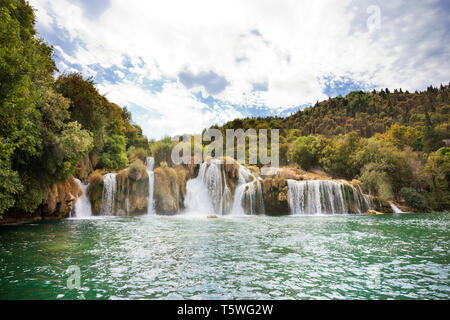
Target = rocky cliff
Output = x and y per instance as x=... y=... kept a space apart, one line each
x=58 y=205
x=170 y=189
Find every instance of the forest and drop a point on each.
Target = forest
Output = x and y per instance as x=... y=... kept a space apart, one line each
x=392 y=142
x=48 y=125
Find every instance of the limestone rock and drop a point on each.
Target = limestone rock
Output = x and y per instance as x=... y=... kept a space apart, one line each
x=275 y=196
x=374 y=212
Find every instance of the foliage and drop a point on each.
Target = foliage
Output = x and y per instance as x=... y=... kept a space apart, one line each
x=376 y=182
x=401 y=136
x=114 y=153
x=437 y=170
x=39 y=144
x=304 y=153
x=96 y=114
x=137 y=153
x=162 y=150
x=413 y=199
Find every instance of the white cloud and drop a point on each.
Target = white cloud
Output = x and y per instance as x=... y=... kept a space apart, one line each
x=290 y=45
x=173 y=111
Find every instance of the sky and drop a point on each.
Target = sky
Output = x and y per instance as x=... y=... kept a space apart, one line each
x=182 y=66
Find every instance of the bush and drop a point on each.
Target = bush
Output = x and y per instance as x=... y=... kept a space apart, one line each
x=303 y=153
x=114 y=155
x=137 y=153
x=162 y=150
x=413 y=199
x=137 y=169
x=376 y=182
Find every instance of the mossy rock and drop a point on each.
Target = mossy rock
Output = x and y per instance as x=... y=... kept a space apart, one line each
x=275 y=196
x=95 y=191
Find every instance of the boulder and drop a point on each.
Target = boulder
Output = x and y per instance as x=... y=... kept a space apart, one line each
x=170 y=189
x=374 y=212
x=275 y=193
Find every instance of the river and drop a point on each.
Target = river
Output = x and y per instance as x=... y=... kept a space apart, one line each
x=185 y=257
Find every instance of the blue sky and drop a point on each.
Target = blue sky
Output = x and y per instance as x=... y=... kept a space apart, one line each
x=181 y=66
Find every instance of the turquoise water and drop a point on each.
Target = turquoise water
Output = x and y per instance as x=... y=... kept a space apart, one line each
x=301 y=257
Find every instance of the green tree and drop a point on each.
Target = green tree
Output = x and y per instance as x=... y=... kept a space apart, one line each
x=303 y=153
x=114 y=153
x=437 y=171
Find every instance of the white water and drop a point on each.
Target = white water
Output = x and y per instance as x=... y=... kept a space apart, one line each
x=395 y=208
x=109 y=194
x=83 y=205
x=151 y=185
x=208 y=193
x=248 y=198
x=325 y=197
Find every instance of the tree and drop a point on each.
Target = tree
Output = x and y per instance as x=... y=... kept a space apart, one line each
x=413 y=199
x=303 y=153
x=437 y=171
x=114 y=153
x=401 y=136
x=39 y=146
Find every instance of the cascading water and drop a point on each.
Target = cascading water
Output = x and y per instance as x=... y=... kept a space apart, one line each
x=248 y=198
x=326 y=197
x=83 y=206
x=209 y=192
x=395 y=208
x=109 y=194
x=150 y=162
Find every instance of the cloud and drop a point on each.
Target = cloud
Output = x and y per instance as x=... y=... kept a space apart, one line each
x=93 y=9
x=211 y=81
x=260 y=86
x=172 y=111
x=303 y=51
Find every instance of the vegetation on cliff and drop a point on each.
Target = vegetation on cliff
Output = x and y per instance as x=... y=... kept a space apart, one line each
x=389 y=141
x=393 y=142
x=47 y=127
x=40 y=144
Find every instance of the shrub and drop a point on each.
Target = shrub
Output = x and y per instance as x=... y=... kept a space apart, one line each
x=376 y=182
x=114 y=156
x=413 y=199
x=137 y=153
x=137 y=169
x=303 y=153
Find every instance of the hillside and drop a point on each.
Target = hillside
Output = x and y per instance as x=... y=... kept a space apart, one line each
x=392 y=141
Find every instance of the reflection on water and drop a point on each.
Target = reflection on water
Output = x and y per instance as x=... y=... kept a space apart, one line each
x=330 y=257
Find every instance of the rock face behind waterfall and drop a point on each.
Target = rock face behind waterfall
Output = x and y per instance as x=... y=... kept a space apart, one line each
x=131 y=191
x=275 y=191
x=170 y=189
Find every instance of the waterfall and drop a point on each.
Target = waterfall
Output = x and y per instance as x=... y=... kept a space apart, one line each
x=150 y=162
x=248 y=198
x=395 y=208
x=209 y=192
x=325 y=197
x=109 y=194
x=83 y=206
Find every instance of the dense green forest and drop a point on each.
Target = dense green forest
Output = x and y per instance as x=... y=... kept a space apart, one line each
x=47 y=126
x=393 y=142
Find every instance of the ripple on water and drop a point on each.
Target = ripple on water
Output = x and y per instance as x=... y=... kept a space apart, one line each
x=312 y=257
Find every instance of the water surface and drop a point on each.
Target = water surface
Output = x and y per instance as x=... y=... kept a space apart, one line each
x=296 y=257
